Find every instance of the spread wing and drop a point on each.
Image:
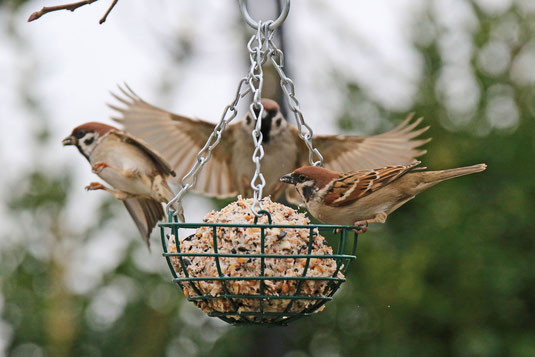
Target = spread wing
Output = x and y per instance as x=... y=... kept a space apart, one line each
x=145 y=213
x=158 y=160
x=352 y=186
x=349 y=153
x=178 y=140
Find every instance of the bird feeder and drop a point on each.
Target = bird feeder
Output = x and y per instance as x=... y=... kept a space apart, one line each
x=274 y=280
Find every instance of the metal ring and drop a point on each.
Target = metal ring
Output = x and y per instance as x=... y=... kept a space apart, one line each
x=263 y=212
x=251 y=22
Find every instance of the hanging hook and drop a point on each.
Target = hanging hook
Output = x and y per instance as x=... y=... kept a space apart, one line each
x=273 y=25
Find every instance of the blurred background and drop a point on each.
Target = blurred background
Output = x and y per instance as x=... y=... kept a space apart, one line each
x=452 y=273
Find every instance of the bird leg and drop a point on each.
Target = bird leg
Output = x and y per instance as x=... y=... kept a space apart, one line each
x=99 y=166
x=93 y=186
x=362 y=226
x=379 y=218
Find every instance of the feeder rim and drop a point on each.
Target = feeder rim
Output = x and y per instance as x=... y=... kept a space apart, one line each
x=236 y=225
x=238 y=278
x=172 y=222
x=252 y=313
x=256 y=255
x=260 y=297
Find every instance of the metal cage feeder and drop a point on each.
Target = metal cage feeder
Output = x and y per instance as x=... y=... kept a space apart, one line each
x=345 y=253
x=290 y=305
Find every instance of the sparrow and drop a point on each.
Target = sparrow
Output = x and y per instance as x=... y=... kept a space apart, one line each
x=365 y=196
x=228 y=173
x=138 y=175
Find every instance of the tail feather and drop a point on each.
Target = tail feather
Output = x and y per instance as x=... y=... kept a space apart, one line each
x=145 y=213
x=437 y=176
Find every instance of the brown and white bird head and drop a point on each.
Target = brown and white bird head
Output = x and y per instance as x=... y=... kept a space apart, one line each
x=86 y=137
x=273 y=122
x=309 y=181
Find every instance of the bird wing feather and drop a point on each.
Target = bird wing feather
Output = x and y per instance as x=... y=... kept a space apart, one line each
x=351 y=186
x=157 y=159
x=178 y=140
x=349 y=153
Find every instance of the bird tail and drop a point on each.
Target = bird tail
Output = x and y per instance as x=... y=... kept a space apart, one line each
x=146 y=213
x=437 y=176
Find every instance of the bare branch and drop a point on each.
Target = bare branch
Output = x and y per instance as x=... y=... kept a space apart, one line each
x=108 y=12
x=71 y=7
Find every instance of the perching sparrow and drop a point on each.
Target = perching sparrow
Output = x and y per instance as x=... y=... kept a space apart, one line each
x=137 y=174
x=365 y=196
x=228 y=173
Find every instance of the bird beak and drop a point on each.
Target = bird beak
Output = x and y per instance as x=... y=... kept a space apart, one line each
x=69 y=140
x=288 y=179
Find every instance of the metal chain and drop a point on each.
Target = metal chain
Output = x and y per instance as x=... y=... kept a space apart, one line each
x=305 y=131
x=251 y=83
x=257 y=56
x=261 y=47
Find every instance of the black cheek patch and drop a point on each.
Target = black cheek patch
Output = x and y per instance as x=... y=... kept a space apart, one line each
x=279 y=122
x=266 y=129
x=307 y=192
x=89 y=141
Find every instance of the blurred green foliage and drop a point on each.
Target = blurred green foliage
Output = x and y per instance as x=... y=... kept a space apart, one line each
x=452 y=273
x=12 y=4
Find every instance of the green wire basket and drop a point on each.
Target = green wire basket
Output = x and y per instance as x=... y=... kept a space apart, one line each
x=346 y=249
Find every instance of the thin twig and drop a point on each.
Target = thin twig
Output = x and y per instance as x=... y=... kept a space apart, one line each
x=71 y=7
x=108 y=12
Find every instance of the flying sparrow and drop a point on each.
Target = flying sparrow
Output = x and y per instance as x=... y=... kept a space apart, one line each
x=365 y=196
x=228 y=173
x=137 y=174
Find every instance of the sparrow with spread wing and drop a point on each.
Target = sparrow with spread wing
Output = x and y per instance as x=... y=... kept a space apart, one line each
x=137 y=174
x=365 y=196
x=228 y=173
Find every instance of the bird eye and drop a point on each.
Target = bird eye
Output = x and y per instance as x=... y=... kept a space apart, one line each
x=279 y=122
x=248 y=120
x=302 y=178
x=79 y=134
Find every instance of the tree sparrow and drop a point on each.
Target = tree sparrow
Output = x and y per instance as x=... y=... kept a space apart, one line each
x=137 y=174
x=365 y=196
x=228 y=173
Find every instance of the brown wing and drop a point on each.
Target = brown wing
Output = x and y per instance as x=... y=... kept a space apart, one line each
x=178 y=140
x=352 y=186
x=145 y=213
x=349 y=153
x=158 y=160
